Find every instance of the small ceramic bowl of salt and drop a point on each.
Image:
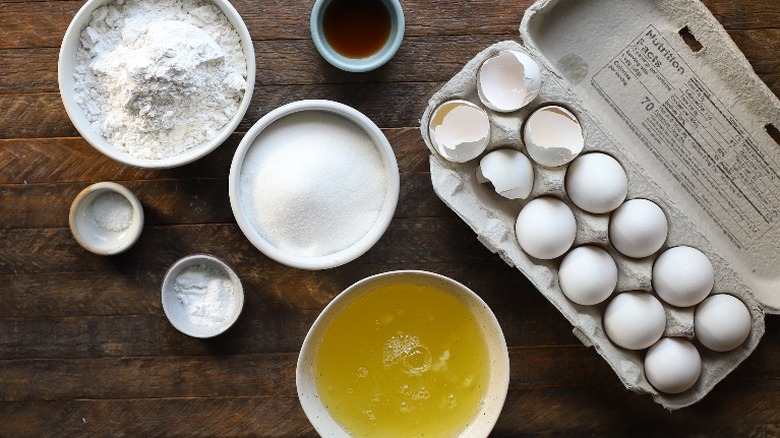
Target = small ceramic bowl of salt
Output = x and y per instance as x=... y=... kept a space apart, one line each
x=202 y=296
x=106 y=218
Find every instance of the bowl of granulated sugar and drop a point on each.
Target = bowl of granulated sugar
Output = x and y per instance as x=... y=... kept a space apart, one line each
x=314 y=184
x=156 y=83
x=202 y=296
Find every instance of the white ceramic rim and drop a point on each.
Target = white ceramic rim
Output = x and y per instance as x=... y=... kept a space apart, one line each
x=65 y=69
x=498 y=386
x=359 y=65
x=385 y=214
x=79 y=203
x=167 y=289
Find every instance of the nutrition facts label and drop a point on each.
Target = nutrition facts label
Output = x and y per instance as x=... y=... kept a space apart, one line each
x=694 y=136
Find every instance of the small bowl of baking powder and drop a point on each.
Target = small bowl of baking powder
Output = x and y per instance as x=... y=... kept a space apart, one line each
x=106 y=218
x=156 y=83
x=202 y=296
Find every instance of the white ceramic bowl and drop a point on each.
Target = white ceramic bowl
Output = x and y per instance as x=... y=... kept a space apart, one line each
x=498 y=383
x=67 y=65
x=247 y=217
x=101 y=239
x=206 y=325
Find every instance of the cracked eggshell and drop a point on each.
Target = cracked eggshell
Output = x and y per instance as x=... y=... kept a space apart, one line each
x=634 y=320
x=459 y=130
x=508 y=81
x=588 y=275
x=683 y=276
x=638 y=228
x=510 y=172
x=722 y=322
x=596 y=183
x=672 y=365
x=546 y=228
x=553 y=136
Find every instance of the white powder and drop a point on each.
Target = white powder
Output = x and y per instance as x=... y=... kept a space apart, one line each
x=315 y=183
x=206 y=294
x=111 y=211
x=156 y=78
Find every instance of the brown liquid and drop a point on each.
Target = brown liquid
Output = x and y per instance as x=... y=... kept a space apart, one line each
x=356 y=28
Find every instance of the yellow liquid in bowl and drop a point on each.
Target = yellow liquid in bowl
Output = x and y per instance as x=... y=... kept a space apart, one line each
x=403 y=360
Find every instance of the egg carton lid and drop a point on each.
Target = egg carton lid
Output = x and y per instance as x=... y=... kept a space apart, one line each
x=666 y=80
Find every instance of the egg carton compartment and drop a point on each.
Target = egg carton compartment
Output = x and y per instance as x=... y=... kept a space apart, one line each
x=493 y=219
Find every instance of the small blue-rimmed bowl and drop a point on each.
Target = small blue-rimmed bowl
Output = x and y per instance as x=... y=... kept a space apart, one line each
x=378 y=59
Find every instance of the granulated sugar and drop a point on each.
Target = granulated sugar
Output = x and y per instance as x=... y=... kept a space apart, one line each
x=313 y=183
x=156 y=78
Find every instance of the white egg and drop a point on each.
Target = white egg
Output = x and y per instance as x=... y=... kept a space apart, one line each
x=459 y=130
x=638 y=228
x=683 y=276
x=634 y=320
x=510 y=172
x=546 y=228
x=596 y=183
x=508 y=81
x=587 y=275
x=672 y=365
x=722 y=322
x=553 y=136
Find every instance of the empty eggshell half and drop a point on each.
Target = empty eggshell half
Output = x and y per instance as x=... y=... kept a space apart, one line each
x=459 y=130
x=596 y=183
x=546 y=228
x=508 y=81
x=510 y=172
x=553 y=136
x=683 y=276
x=673 y=365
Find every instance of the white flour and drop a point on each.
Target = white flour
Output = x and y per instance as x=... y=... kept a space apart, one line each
x=156 y=78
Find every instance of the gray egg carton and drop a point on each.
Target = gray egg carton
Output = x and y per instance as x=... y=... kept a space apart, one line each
x=588 y=53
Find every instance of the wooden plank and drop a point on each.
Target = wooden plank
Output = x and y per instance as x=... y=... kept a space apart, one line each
x=265 y=326
x=42 y=115
x=55 y=250
x=280 y=62
x=296 y=62
x=170 y=202
x=278 y=416
x=42 y=24
x=71 y=159
x=115 y=292
x=273 y=374
x=582 y=411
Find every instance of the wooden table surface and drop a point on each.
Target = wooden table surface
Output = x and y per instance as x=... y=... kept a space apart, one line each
x=85 y=349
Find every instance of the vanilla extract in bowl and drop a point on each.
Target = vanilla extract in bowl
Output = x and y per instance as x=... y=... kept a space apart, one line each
x=356 y=28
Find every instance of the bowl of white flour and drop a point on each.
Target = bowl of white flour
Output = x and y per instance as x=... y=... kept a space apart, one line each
x=156 y=83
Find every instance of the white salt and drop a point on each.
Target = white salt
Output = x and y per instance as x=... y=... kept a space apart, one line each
x=112 y=211
x=314 y=183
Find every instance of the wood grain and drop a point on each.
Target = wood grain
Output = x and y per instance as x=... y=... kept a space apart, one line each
x=86 y=350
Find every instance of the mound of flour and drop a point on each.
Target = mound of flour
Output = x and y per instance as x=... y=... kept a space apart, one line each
x=156 y=78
